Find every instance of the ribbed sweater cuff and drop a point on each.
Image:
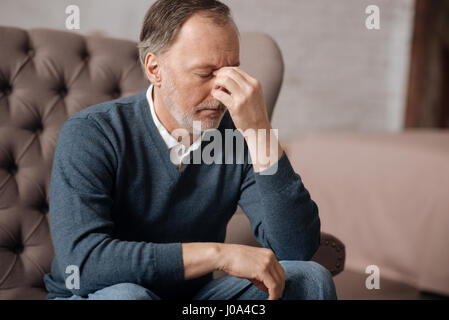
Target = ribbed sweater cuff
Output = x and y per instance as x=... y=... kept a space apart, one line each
x=168 y=263
x=276 y=177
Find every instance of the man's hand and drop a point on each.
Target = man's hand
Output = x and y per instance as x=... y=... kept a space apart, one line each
x=243 y=96
x=259 y=265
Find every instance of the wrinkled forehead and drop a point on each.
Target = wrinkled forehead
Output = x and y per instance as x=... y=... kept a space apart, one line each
x=200 y=41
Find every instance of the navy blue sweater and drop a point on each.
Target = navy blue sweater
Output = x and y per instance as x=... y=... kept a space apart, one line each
x=119 y=208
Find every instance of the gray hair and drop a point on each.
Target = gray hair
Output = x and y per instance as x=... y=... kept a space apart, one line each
x=165 y=17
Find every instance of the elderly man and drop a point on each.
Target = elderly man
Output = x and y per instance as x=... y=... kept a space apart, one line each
x=132 y=219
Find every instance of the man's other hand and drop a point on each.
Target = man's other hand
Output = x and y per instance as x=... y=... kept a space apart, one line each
x=259 y=265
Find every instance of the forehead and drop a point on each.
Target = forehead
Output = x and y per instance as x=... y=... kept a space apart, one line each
x=202 y=42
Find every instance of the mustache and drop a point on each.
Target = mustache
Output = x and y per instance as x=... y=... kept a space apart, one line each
x=211 y=105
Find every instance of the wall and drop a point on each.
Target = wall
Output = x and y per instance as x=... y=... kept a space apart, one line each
x=339 y=75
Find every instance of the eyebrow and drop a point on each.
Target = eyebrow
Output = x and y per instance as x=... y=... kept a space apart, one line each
x=212 y=66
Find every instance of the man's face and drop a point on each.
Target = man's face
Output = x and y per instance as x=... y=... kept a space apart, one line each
x=200 y=48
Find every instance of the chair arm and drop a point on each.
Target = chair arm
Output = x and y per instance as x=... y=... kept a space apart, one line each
x=331 y=254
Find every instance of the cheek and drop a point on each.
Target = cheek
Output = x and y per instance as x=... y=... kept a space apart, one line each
x=196 y=95
x=190 y=90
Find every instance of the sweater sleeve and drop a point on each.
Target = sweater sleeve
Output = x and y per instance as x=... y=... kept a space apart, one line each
x=81 y=200
x=283 y=216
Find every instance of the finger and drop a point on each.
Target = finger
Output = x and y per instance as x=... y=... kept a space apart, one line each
x=278 y=281
x=282 y=273
x=246 y=75
x=282 y=270
x=279 y=273
x=235 y=75
x=275 y=273
x=270 y=283
x=229 y=84
x=271 y=294
x=260 y=285
x=278 y=270
x=223 y=97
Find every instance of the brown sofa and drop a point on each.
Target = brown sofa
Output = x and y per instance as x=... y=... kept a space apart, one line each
x=45 y=77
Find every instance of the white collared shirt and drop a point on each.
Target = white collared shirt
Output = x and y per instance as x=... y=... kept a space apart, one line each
x=179 y=150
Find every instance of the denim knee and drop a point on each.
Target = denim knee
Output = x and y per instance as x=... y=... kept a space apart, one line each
x=307 y=280
x=123 y=291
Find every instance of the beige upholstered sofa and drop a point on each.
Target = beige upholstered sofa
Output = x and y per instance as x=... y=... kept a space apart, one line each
x=45 y=77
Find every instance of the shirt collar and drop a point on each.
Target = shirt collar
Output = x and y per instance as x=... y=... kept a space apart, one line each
x=169 y=140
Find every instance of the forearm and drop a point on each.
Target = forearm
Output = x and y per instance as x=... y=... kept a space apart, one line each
x=200 y=258
x=282 y=208
x=104 y=261
x=292 y=228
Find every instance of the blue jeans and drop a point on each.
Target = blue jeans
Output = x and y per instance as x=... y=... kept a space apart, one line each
x=304 y=280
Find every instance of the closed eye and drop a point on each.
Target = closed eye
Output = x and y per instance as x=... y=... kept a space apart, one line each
x=204 y=76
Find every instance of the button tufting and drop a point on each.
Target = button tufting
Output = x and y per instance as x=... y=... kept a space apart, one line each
x=115 y=93
x=84 y=55
x=12 y=168
x=18 y=248
x=38 y=127
x=62 y=91
x=30 y=52
x=43 y=207
x=6 y=89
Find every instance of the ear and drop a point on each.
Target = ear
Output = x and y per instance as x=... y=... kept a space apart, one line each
x=152 y=69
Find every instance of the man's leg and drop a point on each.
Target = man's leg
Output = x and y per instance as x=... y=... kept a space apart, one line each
x=120 y=291
x=304 y=280
x=224 y=288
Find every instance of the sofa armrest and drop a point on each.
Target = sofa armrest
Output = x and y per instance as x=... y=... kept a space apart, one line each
x=331 y=254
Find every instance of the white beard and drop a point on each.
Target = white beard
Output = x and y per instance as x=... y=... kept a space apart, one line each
x=185 y=119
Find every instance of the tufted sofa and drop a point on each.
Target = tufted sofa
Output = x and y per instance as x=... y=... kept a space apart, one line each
x=46 y=76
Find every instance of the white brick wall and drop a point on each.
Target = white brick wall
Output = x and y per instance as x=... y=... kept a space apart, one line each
x=339 y=75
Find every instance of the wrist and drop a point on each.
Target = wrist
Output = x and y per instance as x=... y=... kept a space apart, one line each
x=264 y=148
x=219 y=255
x=245 y=126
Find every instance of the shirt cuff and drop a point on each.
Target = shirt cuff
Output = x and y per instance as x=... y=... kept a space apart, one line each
x=278 y=176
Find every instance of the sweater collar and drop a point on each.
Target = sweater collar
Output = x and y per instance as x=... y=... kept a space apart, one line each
x=169 y=140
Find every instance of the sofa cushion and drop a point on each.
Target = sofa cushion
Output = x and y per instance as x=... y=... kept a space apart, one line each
x=45 y=77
